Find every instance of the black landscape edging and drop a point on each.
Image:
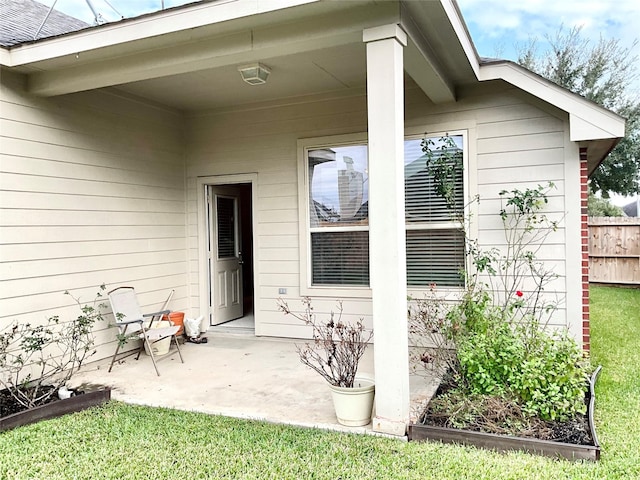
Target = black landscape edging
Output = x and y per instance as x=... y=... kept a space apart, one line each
x=570 y=451
x=55 y=409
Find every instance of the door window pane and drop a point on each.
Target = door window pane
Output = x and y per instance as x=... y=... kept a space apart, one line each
x=225 y=212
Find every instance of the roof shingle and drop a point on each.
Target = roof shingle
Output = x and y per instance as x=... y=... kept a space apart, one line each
x=20 y=20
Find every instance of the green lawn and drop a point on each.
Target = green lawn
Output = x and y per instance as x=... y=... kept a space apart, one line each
x=118 y=441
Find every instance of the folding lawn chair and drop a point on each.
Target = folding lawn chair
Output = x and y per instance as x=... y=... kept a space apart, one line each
x=132 y=323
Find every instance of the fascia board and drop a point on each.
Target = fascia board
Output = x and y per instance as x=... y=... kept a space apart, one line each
x=587 y=120
x=5 y=57
x=581 y=129
x=421 y=63
x=455 y=17
x=172 y=21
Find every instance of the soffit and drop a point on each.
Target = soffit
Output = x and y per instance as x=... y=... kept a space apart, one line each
x=442 y=29
x=312 y=48
x=327 y=70
x=320 y=51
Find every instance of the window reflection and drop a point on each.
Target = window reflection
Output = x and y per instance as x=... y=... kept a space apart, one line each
x=339 y=193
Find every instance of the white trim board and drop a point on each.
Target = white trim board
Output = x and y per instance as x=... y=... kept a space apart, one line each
x=203 y=281
x=587 y=120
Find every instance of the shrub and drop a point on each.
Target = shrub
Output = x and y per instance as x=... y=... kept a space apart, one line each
x=337 y=346
x=545 y=373
x=430 y=332
x=36 y=360
x=497 y=330
x=489 y=358
x=552 y=380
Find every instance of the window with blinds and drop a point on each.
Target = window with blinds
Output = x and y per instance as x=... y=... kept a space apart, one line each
x=435 y=238
x=339 y=214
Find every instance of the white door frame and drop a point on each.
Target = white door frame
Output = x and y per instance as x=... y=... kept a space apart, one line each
x=203 y=269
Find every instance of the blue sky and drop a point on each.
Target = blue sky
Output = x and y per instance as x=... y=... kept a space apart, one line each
x=497 y=27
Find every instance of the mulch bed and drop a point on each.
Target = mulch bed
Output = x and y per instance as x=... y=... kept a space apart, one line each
x=9 y=405
x=499 y=417
x=14 y=415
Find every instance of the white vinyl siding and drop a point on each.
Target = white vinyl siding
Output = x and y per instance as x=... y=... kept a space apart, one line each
x=511 y=137
x=91 y=192
x=233 y=142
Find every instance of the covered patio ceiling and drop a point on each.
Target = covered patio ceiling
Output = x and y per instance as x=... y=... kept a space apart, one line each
x=337 y=69
x=190 y=63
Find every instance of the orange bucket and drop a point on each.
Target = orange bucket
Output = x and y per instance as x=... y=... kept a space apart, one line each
x=177 y=318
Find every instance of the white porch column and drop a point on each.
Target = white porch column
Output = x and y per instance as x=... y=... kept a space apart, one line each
x=387 y=249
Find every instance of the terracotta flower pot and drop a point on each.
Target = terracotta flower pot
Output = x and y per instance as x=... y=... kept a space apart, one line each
x=177 y=318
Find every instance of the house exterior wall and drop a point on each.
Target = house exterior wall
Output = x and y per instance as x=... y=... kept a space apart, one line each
x=514 y=142
x=91 y=192
x=264 y=141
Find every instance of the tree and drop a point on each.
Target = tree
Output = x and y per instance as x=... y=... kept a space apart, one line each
x=601 y=207
x=603 y=73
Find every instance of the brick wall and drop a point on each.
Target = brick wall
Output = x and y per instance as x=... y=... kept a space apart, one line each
x=584 y=231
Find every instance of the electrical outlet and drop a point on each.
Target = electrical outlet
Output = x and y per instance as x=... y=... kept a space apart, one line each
x=282 y=291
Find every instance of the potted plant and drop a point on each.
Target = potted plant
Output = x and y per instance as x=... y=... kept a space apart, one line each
x=335 y=354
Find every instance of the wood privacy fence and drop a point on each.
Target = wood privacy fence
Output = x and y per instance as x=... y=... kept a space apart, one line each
x=614 y=250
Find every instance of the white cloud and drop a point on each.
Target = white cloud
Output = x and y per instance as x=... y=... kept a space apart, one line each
x=522 y=19
x=498 y=28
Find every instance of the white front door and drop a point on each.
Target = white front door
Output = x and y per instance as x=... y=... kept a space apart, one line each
x=225 y=258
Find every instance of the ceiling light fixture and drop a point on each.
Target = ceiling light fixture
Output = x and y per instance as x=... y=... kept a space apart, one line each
x=255 y=73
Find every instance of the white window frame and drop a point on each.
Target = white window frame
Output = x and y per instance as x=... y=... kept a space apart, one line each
x=468 y=133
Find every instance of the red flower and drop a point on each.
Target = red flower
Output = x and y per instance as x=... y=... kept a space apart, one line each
x=519 y=293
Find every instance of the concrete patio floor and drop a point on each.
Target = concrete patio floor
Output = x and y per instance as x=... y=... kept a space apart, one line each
x=239 y=376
